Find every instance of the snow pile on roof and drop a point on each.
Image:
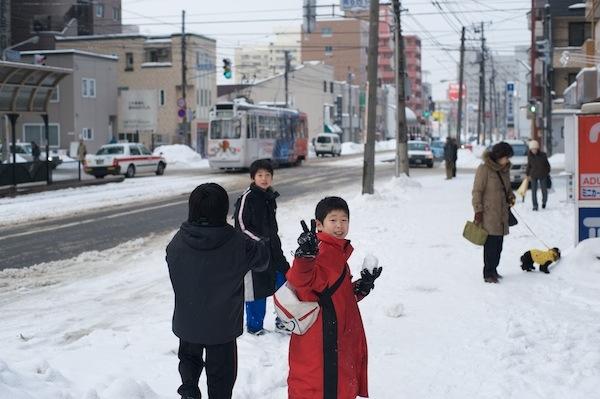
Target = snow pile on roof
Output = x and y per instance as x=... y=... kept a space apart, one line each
x=181 y=156
x=557 y=161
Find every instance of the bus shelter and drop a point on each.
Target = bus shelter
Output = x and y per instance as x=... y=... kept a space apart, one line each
x=26 y=89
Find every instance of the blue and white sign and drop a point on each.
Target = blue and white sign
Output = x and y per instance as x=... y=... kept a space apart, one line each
x=589 y=223
x=510 y=106
x=354 y=5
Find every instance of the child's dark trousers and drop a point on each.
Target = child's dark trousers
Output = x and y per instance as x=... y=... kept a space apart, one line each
x=221 y=369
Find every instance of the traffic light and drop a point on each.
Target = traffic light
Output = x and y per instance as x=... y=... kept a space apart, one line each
x=426 y=113
x=532 y=106
x=227 y=68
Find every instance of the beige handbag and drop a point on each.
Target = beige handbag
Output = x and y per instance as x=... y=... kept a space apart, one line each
x=475 y=233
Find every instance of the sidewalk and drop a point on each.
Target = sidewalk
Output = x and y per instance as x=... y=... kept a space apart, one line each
x=30 y=188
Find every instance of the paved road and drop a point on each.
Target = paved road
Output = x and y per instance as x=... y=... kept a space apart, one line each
x=64 y=238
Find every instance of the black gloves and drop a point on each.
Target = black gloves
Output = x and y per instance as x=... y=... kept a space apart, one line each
x=367 y=281
x=308 y=241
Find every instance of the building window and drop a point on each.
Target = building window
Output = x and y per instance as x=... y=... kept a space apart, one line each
x=579 y=32
x=331 y=87
x=157 y=55
x=572 y=77
x=326 y=32
x=129 y=61
x=35 y=132
x=87 y=133
x=324 y=86
x=55 y=97
x=115 y=13
x=161 y=97
x=88 y=88
x=100 y=10
x=328 y=50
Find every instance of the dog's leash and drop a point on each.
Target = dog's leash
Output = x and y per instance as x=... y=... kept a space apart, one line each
x=529 y=228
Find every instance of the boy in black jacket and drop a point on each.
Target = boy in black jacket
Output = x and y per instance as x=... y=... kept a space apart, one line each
x=255 y=216
x=207 y=261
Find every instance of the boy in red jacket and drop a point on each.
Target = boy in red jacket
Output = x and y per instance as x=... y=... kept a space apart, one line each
x=330 y=360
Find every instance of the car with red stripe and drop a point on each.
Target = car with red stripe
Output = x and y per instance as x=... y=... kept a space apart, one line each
x=126 y=159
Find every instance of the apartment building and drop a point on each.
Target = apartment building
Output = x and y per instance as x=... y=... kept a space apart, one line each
x=149 y=85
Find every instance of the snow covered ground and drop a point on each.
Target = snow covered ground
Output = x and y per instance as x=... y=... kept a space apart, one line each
x=98 y=326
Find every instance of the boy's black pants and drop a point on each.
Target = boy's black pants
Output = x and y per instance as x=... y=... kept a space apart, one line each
x=221 y=369
x=491 y=255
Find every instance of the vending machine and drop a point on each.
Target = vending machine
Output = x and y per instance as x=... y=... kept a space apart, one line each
x=587 y=203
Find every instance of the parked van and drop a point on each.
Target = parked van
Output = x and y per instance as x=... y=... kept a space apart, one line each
x=328 y=143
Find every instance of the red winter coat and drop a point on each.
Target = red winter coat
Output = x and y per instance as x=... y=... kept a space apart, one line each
x=308 y=352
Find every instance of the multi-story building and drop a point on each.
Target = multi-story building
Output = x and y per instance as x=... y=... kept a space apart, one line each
x=385 y=61
x=412 y=54
x=83 y=106
x=4 y=24
x=253 y=63
x=149 y=84
x=341 y=44
x=46 y=19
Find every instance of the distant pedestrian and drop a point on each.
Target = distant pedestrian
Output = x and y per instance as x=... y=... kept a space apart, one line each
x=538 y=172
x=207 y=260
x=113 y=140
x=450 y=157
x=455 y=143
x=81 y=151
x=255 y=216
x=35 y=151
x=492 y=199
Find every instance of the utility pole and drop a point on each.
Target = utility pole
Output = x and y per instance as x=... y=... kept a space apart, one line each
x=493 y=108
x=286 y=77
x=399 y=61
x=369 y=157
x=533 y=94
x=549 y=75
x=481 y=113
x=184 y=123
x=461 y=81
x=349 y=80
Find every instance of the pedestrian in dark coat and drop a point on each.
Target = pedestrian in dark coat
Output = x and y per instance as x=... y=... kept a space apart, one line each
x=538 y=171
x=492 y=198
x=35 y=151
x=450 y=157
x=255 y=215
x=207 y=260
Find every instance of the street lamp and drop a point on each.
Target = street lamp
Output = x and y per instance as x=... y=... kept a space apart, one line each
x=32 y=39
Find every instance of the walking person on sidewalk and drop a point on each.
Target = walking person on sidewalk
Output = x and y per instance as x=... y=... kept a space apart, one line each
x=538 y=171
x=255 y=216
x=450 y=157
x=492 y=198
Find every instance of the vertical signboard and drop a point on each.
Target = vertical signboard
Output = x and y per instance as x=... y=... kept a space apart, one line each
x=510 y=106
x=588 y=177
x=138 y=111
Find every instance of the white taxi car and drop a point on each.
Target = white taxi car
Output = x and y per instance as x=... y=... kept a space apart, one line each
x=124 y=159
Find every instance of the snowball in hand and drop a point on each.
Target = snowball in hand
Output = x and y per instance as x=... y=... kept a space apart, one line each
x=370 y=262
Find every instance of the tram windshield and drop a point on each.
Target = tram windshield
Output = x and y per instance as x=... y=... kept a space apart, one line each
x=225 y=129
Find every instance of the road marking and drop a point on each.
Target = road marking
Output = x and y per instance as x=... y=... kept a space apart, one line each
x=116 y=215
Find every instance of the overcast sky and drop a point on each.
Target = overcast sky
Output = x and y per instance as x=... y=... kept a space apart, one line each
x=233 y=23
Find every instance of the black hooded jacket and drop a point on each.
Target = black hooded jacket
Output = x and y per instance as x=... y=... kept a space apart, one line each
x=207 y=266
x=254 y=215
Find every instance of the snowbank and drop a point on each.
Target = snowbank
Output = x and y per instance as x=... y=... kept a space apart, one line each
x=350 y=148
x=19 y=159
x=467 y=159
x=557 y=161
x=181 y=156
